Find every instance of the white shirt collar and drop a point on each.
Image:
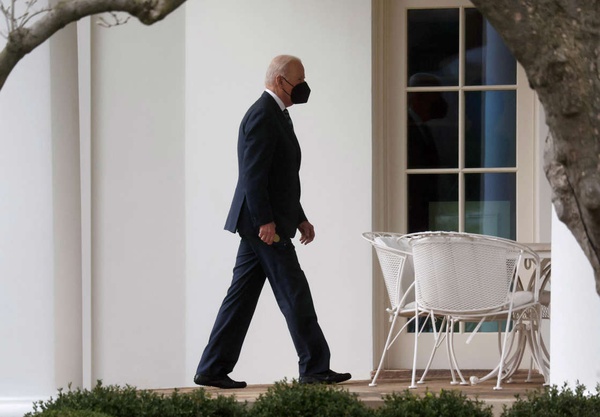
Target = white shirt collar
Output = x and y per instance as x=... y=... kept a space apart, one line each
x=277 y=99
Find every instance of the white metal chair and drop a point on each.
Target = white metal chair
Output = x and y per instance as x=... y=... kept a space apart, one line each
x=474 y=278
x=395 y=260
x=544 y=299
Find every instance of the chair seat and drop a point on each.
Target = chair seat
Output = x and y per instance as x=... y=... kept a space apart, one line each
x=520 y=299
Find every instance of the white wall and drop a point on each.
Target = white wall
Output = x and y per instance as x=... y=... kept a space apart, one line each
x=575 y=326
x=165 y=108
x=160 y=190
x=138 y=205
x=229 y=45
x=40 y=285
x=26 y=234
x=66 y=207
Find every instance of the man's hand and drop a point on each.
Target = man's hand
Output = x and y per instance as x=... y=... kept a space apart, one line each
x=266 y=233
x=307 y=232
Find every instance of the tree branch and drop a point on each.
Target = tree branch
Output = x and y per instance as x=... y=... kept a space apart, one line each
x=23 y=40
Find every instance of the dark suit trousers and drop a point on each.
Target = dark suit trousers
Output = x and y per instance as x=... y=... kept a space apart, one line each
x=255 y=262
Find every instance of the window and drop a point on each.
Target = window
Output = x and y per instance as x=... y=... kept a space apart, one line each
x=461 y=124
x=454 y=135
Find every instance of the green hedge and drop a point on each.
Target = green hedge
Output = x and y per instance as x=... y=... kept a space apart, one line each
x=291 y=399
x=306 y=400
x=127 y=401
x=553 y=402
x=446 y=404
x=73 y=413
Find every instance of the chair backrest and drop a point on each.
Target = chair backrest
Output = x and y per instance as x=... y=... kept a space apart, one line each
x=462 y=273
x=395 y=260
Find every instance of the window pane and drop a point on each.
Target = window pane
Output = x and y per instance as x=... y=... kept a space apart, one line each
x=432 y=202
x=424 y=325
x=490 y=206
x=433 y=43
x=487 y=327
x=490 y=129
x=488 y=60
x=432 y=136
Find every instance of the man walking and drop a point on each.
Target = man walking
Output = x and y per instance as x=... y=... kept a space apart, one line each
x=266 y=212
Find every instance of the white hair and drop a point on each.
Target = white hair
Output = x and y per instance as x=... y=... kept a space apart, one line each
x=279 y=66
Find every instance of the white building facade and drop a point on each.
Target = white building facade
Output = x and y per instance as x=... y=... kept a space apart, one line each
x=117 y=167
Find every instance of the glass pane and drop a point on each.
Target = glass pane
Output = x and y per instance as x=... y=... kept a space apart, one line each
x=490 y=207
x=487 y=327
x=432 y=136
x=490 y=129
x=426 y=326
x=432 y=202
x=488 y=60
x=433 y=43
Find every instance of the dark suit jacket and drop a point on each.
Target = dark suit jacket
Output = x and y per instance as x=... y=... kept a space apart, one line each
x=268 y=187
x=422 y=150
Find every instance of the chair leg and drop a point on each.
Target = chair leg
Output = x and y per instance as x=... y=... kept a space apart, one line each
x=538 y=348
x=414 y=369
x=531 y=361
x=436 y=345
x=506 y=366
x=454 y=368
x=449 y=351
x=514 y=356
x=385 y=349
x=512 y=363
x=503 y=354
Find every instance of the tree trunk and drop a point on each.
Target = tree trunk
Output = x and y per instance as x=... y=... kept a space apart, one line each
x=558 y=44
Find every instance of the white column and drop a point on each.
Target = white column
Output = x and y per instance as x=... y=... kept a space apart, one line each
x=575 y=322
x=84 y=58
x=67 y=207
x=26 y=236
x=138 y=204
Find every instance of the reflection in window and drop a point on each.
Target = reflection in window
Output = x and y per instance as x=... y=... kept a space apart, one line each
x=487 y=121
x=490 y=129
x=432 y=202
x=488 y=60
x=491 y=202
x=433 y=43
x=432 y=135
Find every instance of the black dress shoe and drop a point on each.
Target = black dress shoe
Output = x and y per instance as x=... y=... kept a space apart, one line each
x=328 y=377
x=218 y=381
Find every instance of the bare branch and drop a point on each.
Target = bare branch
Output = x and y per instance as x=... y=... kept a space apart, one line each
x=23 y=20
x=5 y=12
x=23 y=40
x=12 y=14
x=117 y=20
x=14 y=21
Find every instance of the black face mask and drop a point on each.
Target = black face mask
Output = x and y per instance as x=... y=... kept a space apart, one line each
x=300 y=92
